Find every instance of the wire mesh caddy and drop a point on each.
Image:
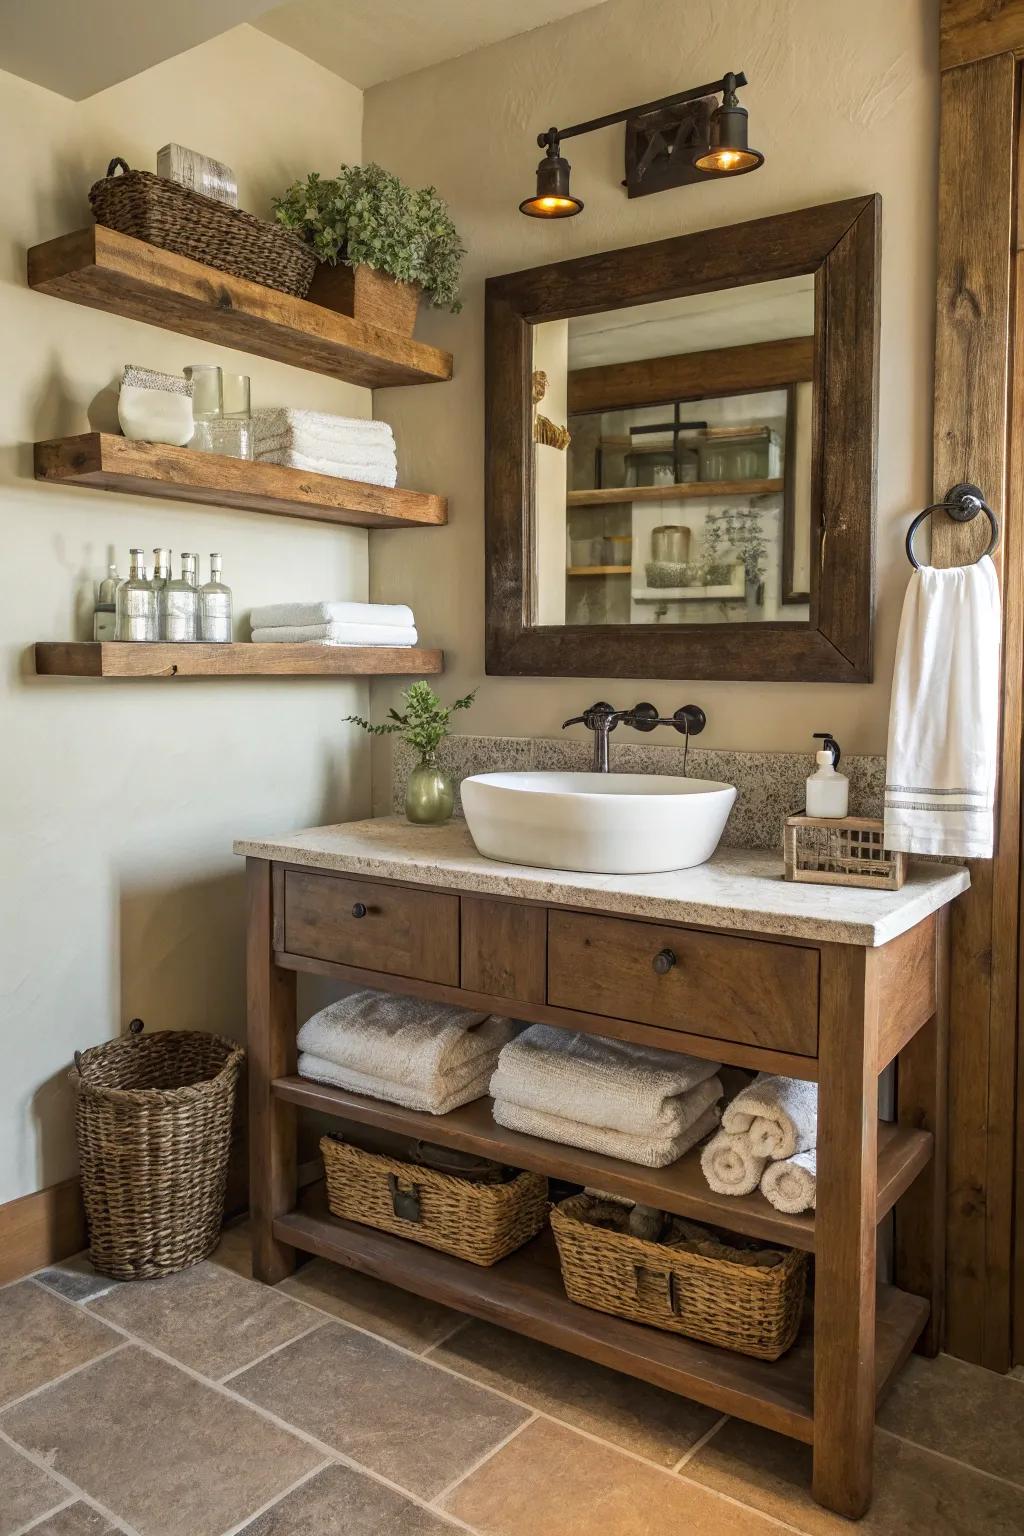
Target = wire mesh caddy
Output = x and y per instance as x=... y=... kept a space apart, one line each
x=154 y=1119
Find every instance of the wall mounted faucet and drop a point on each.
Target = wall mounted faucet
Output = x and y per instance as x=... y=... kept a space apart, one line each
x=602 y=718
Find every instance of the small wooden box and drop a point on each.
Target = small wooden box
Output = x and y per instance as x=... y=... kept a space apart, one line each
x=847 y=851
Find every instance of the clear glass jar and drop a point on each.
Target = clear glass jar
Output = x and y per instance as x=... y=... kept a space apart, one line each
x=233 y=432
x=179 y=608
x=207 y=404
x=215 y=606
x=135 y=604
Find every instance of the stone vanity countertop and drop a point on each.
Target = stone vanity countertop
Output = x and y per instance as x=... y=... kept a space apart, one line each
x=738 y=888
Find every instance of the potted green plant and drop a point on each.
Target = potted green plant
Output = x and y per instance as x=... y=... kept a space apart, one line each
x=380 y=243
x=422 y=725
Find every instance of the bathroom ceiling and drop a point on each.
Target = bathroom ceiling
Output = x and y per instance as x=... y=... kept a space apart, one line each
x=369 y=41
x=79 y=47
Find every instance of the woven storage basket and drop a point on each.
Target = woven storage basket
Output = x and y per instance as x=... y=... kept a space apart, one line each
x=479 y=1222
x=154 y=1130
x=750 y=1310
x=166 y=214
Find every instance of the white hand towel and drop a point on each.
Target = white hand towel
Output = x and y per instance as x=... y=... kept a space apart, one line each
x=778 y=1115
x=791 y=1185
x=404 y=1039
x=385 y=474
x=335 y=634
x=596 y=1081
x=729 y=1165
x=648 y=1151
x=284 y=420
x=463 y=1087
x=272 y=614
x=944 y=714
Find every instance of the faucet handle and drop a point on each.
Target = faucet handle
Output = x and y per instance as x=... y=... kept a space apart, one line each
x=596 y=716
x=576 y=720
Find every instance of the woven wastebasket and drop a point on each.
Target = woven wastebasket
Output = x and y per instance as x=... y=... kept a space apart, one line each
x=154 y=1119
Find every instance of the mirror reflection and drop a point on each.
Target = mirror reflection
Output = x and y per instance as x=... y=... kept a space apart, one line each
x=672 y=460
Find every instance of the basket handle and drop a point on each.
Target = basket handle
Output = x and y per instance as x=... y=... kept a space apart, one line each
x=665 y=1275
x=118 y=163
x=404 y=1202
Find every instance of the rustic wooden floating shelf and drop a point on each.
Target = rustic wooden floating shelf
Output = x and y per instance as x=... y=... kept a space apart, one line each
x=681 y=1187
x=524 y=1293
x=689 y=490
x=112 y=658
x=599 y=570
x=106 y=462
x=105 y=270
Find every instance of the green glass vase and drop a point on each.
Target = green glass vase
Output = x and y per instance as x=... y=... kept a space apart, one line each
x=429 y=794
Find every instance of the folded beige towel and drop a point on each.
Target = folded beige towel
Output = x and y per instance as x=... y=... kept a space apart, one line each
x=406 y=1040
x=729 y=1165
x=645 y=1150
x=607 y=1083
x=791 y=1185
x=462 y=1087
x=778 y=1115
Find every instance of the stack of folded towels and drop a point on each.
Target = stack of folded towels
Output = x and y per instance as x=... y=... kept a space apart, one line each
x=321 y=444
x=426 y=1056
x=626 y=1101
x=334 y=624
x=769 y=1138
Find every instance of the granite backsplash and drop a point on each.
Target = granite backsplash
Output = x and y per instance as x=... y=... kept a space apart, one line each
x=770 y=785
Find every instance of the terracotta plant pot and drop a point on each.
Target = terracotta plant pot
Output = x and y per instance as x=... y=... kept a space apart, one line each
x=366 y=295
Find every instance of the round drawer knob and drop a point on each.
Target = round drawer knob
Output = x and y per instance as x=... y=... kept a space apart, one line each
x=663 y=961
x=358 y=909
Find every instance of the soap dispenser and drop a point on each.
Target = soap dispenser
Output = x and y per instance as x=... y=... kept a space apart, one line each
x=828 y=792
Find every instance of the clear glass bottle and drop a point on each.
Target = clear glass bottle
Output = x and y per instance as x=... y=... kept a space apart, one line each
x=136 y=614
x=108 y=586
x=104 y=617
x=180 y=604
x=215 y=606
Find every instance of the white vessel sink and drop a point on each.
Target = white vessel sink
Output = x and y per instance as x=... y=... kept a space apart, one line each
x=597 y=823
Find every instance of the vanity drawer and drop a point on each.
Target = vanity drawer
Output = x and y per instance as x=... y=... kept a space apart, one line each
x=710 y=984
x=376 y=927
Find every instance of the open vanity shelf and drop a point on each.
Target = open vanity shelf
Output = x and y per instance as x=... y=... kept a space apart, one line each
x=107 y=462
x=105 y=270
x=118 y=658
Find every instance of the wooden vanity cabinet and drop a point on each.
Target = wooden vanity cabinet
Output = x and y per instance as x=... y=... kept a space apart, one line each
x=836 y=1013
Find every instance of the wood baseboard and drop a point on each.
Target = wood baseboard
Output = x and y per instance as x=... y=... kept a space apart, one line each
x=41 y=1229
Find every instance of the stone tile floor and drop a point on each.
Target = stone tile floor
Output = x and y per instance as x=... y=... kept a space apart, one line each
x=208 y=1405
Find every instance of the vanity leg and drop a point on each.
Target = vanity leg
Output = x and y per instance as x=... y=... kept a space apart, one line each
x=922 y=1072
x=273 y=1181
x=845 y=1233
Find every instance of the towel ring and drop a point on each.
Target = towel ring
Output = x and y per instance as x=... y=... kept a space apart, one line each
x=963 y=503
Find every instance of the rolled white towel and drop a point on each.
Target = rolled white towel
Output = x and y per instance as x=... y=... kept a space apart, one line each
x=630 y=1088
x=462 y=1087
x=648 y=1151
x=791 y=1185
x=729 y=1165
x=384 y=474
x=335 y=634
x=272 y=614
x=404 y=1039
x=779 y=1115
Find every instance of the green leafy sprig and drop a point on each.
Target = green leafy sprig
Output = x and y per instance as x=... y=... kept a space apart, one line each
x=423 y=724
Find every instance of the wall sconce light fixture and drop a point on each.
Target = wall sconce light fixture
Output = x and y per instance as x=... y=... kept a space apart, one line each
x=670 y=142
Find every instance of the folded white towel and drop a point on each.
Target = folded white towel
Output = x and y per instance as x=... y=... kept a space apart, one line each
x=629 y=1088
x=469 y=1083
x=778 y=1115
x=385 y=474
x=648 y=1151
x=791 y=1185
x=271 y=614
x=335 y=634
x=729 y=1165
x=404 y=1039
x=285 y=420
x=944 y=714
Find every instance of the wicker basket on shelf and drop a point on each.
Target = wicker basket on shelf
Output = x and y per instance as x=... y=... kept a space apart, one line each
x=846 y=851
x=479 y=1222
x=154 y=1119
x=740 y=1306
x=166 y=214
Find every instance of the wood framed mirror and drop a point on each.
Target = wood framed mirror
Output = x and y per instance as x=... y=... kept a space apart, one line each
x=681 y=443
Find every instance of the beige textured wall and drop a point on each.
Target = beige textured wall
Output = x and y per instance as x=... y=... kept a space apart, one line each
x=843 y=100
x=119 y=894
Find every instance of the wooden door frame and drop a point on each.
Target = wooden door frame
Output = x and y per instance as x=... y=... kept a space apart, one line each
x=977 y=396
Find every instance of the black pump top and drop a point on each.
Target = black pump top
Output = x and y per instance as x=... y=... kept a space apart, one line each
x=829 y=744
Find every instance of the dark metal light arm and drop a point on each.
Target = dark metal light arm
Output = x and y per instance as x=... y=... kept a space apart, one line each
x=727 y=82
